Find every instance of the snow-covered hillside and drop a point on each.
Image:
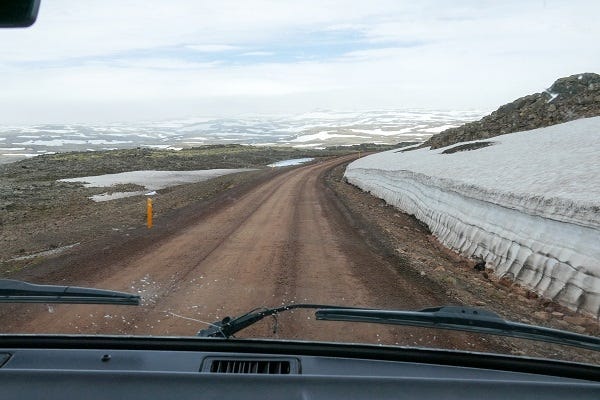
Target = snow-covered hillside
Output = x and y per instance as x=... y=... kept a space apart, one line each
x=529 y=204
x=311 y=130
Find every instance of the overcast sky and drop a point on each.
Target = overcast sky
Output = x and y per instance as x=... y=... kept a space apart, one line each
x=120 y=60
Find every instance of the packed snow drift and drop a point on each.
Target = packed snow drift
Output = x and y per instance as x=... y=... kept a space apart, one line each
x=528 y=204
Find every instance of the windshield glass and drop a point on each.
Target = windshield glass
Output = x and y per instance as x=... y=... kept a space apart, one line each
x=220 y=157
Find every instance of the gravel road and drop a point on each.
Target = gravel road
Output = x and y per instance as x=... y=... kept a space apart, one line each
x=286 y=238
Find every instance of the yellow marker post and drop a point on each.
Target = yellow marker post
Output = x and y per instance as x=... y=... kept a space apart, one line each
x=149 y=212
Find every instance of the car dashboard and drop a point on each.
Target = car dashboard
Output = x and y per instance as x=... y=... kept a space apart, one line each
x=137 y=368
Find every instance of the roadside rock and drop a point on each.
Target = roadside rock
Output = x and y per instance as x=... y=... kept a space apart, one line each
x=573 y=97
x=480 y=266
x=575 y=320
x=542 y=315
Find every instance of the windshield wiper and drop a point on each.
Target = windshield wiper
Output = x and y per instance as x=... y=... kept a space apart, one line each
x=449 y=317
x=229 y=326
x=12 y=291
x=461 y=319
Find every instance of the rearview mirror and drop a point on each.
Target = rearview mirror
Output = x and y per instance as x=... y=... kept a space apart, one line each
x=18 y=13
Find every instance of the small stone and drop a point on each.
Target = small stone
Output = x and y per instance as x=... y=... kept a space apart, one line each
x=450 y=281
x=562 y=324
x=480 y=266
x=574 y=320
x=558 y=314
x=546 y=302
x=578 y=329
x=531 y=295
x=505 y=281
x=541 y=315
x=440 y=269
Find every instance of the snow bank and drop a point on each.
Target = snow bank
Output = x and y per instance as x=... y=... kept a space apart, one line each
x=529 y=204
x=151 y=180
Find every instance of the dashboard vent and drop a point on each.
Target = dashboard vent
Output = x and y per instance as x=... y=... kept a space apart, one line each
x=250 y=366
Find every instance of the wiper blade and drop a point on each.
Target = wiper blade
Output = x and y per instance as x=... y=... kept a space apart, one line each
x=449 y=317
x=462 y=319
x=229 y=326
x=12 y=291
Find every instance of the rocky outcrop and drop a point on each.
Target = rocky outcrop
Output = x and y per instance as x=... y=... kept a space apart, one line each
x=573 y=97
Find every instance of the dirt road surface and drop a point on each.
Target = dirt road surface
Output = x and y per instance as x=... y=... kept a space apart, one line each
x=282 y=241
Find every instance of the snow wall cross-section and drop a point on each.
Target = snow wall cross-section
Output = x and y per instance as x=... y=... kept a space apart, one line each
x=529 y=204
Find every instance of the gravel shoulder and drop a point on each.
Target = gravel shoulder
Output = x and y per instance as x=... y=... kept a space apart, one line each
x=417 y=251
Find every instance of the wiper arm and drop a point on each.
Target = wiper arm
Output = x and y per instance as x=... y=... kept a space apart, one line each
x=462 y=319
x=229 y=326
x=12 y=291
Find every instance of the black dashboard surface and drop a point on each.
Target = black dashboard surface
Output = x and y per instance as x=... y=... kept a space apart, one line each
x=54 y=373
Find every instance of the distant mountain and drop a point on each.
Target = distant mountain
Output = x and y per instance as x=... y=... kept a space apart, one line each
x=573 y=97
x=317 y=129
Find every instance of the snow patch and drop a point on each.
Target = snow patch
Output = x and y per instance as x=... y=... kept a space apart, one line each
x=309 y=145
x=162 y=147
x=45 y=253
x=287 y=163
x=153 y=180
x=438 y=129
x=62 y=142
x=98 y=198
x=325 y=135
x=529 y=205
x=552 y=96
